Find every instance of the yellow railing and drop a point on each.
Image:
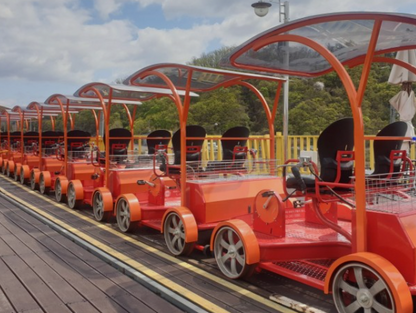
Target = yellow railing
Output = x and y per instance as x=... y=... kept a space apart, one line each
x=212 y=149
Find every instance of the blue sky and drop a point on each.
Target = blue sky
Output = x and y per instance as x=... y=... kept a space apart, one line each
x=56 y=46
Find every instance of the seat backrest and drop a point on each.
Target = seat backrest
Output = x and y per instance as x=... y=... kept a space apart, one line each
x=191 y=131
x=49 y=138
x=14 y=137
x=119 y=141
x=30 y=137
x=77 y=139
x=229 y=144
x=158 y=137
x=383 y=148
x=338 y=136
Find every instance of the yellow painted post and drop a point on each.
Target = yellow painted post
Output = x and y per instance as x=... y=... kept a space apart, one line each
x=372 y=154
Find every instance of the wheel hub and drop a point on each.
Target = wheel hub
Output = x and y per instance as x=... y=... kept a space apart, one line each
x=364 y=298
x=232 y=252
x=177 y=231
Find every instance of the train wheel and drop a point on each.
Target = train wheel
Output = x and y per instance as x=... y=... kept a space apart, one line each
x=16 y=174
x=45 y=182
x=24 y=174
x=60 y=189
x=357 y=287
x=3 y=167
x=75 y=194
x=128 y=213
x=10 y=168
x=174 y=231
x=34 y=179
x=100 y=201
x=230 y=254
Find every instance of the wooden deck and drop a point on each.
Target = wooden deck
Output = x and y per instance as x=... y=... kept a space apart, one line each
x=42 y=271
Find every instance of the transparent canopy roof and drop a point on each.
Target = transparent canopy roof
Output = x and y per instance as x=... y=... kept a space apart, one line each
x=123 y=93
x=76 y=102
x=202 y=78
x=346 y=35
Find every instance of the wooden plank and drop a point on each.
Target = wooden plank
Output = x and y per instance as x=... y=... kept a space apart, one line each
x=107 y=286
x=40 y=291
x=15 y=244
x=82 y=307
x=13 y=224
x=88 y=290
x=5 y=305
x=15 y=292
x=4 y=248
x=54 y=281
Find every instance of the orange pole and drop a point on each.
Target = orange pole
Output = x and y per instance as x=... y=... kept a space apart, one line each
x=106 y=113
x=269 y=116
x=53 y=123
x=182 y=123
x=97 y=126
x=130 y=124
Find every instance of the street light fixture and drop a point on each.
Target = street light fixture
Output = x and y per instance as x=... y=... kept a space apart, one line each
x=261 y=8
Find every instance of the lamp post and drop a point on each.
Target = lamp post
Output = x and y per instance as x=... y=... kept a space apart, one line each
x=261 y=8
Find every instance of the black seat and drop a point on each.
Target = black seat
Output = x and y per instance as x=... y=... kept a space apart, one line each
x=30 y=138
x=119 y=142
x=231 y=147
x=15 y=138
x=77 y=140
x=335 y=144
x=193 y=146
x=49 y=139
x=388 y=156
x=157 y=139
x=193 y=149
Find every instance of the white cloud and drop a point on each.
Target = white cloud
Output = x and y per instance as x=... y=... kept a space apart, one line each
x=62 y=41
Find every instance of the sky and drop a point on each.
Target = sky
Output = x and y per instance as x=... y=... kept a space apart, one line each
x=57 y=46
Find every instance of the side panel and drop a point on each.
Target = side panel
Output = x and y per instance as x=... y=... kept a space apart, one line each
x=216 y=201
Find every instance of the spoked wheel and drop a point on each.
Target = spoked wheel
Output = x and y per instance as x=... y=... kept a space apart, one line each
x=231 y=254
x=3 y=167
x=359 y=288
x=34 y=179
x=17 y=174
x=73 y=191
x=174 y=231
x=44 y=183
x=24 y=174
x=60 y=193
x=100 y=201
x=10 y=168
x=125 y=207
